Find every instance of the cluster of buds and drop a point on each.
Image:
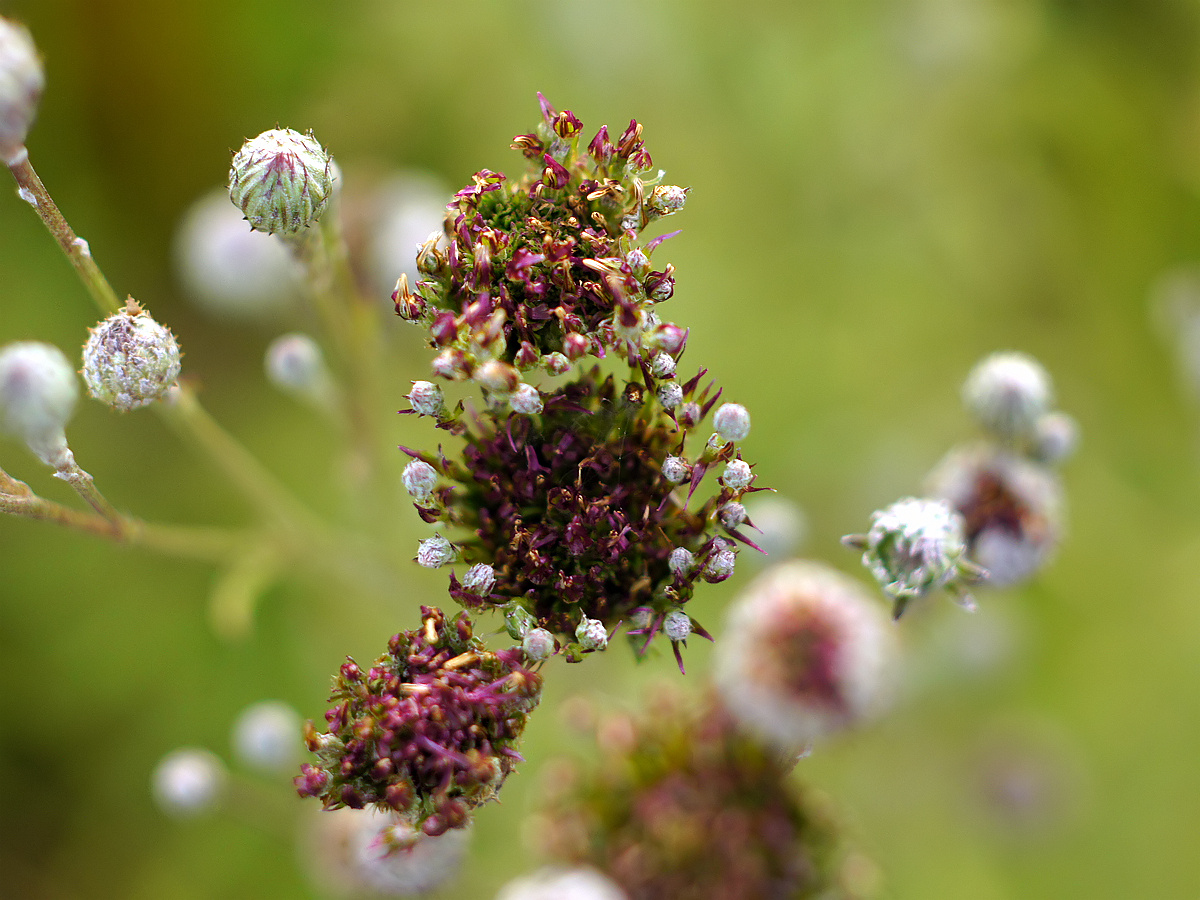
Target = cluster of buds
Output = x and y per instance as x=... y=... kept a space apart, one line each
x=995 y=508
x=550 y=269
x=427 y=732
x=684 y=804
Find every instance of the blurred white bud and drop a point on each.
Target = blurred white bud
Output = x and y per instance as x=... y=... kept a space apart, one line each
x=229 y=269
x=1007 y=393
x=21 y=84
x=420 y=478
x=498 y=377
x=1055 y=437
x=294 y=364
x=526 y=400
x=38 y=390
x=130 y=360
x=562 y=884
x=556 y=363
x=282 y=180
x=732 y=421
x=781 y=525
x=188 y=781
x=268 y=736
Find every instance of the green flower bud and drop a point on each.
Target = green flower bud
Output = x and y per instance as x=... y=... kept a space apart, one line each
x=282 y=180
x=130 y=360
x=21 y=83
x=37 y=396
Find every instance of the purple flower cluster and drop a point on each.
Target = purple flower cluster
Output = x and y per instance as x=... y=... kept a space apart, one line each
x=428 y=731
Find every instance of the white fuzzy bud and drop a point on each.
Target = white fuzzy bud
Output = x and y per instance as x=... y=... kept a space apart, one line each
x=737 y=475
x=282 y=180
x=130 y=360
x=420 y=478
x=914 y=546
x=637 y=259
x=426 y=398
x=294 y=364
x=732 y=515
x=677 y=625
x=479 y=579
x=556 y=363
x=436 y=551
x=732 y=422
x=267 y=736
x=666 y=199
x=1054 y=437
x=21 y=84
x=720 y=565
x=591 y=634
x=538 y=643
x=38 y=390
x=676 y=469
x=526 y=400
x=562 y=884
x=662 y=365
x=681 y=562
x=1007 y=393
x=670 y=394
x=188 y=782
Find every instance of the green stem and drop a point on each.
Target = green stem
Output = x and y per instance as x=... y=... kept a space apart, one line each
x=86 y=488
x=34 y=193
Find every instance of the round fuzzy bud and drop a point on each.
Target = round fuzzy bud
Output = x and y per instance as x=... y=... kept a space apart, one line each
x=420 y=478
x=732 y=422
x=1007 y=393
x=637 y=259
x=681 y=562
x=805 y=653
x=436 y=551
x=188 y=782
x=737 y=475
x=37 y=396
x=659 y=286
x=915 y=546
x=426 y=398
x=538 y=643
x=591 y=634
x=662 y=365
x=526 y=400
x=282 y=180
x=719 y=566
x=781 y=525
x=669 y=338
x=268 y=736
x=229 y=269
x=556 y=363
x=130 y=360
x=676 y=469
x=21 y=83
x=732 y=515
x=555 y=883
x=670 y=394
x=498 y=377
x=478 y=580
x=295 y=364
x=689 y=414
x=677 y=625
x=666 y=199
x=1054 y=438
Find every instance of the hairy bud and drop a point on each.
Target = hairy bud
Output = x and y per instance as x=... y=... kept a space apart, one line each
x=21 y=83
x=282 y=180
x=130 y=360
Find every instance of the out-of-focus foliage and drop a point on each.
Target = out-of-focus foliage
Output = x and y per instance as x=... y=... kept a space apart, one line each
x=883 y=191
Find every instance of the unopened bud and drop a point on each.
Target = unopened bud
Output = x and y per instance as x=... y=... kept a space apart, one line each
x=267 y=736
x=732 y=515
x=498 y=377
x=1007 y=393
x=681 y=562
x=732 y=422
x=21 y=83
x=451 y=363
x=676 y=469
x=591 y=634
x=420 y=478
x=1054 y=437
x=526 y=400
x=670 y=394
x=669 y=338
x=538 y=643
x=689 y=414
x=737 y=475
x=518 y=621
x=426 y=398
x=295 y=364
x=282 y=180
x=188 y=782
x=130 y=360
x=666 y=199
x=720 y=565
x=556 y=363
x=662 y=366
x=478 y=579
x=37 y=396
x=436 y=551
x=677 y=625
x=575 y=345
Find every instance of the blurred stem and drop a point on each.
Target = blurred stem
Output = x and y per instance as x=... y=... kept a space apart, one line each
x=34 y=193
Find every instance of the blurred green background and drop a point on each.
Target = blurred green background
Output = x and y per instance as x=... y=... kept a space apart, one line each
x=882 y=193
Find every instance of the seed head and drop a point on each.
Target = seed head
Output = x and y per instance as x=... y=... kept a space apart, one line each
x=282 y=180
x=130 y=360
x=38 y=390
x=21 y=84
